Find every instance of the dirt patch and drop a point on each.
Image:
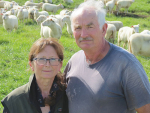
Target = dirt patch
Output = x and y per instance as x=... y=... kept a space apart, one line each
x=130 y=15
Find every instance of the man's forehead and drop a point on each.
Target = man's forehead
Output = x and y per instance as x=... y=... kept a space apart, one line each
x=87 y=11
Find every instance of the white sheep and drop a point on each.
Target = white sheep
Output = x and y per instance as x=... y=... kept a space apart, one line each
x=10 y=22
x=48 y=1
x=2 y=11
x=36 y=5
x=139 y=44
x=52 y=7
x=124 y=33
x=37 y=13
x=145 y=32
x=17 y=8
x=110 y=33
x=110 y=5
x=8 y=5
x=11 y=12
x=66 y=19
x=40 y=19
x=65 y=12
x=31 y=13
x=50 y=28
x=22 y=14
x=68 y=1
x=2 y=4
x=59 y=18
x=55 y=19
x=123 y=4
x=117 y=24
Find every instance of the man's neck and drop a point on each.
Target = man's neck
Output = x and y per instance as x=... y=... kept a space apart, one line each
x=95 y=55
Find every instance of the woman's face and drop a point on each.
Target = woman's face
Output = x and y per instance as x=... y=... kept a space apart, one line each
x=46 y=71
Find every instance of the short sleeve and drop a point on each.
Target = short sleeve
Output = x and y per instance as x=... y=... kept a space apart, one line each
x=136 y=86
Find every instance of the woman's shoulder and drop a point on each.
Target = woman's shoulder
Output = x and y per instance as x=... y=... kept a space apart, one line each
x=16 y=94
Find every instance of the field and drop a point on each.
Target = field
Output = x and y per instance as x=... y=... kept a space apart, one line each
x=15 y=46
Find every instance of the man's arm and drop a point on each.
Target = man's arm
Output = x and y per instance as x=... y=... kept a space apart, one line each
x=144 y=109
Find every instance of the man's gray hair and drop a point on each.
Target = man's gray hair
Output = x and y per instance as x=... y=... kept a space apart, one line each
x=99 y=9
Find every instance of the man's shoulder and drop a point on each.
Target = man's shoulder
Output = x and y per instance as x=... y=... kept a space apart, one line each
x=122 y=55
x=78 y=54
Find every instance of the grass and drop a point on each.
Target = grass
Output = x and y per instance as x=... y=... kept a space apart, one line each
x=15 y=46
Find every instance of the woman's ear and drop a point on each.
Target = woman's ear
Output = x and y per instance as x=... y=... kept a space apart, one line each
x=31 y=65
x=60 y=65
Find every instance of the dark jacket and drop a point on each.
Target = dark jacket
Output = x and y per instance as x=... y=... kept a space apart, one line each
x=24 y=100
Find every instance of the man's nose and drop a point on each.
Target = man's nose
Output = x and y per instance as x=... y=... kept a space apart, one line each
x=84 y=33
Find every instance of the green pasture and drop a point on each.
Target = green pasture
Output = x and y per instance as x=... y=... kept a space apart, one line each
x=15 y=46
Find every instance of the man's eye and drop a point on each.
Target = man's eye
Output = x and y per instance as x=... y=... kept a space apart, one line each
x=90 y=27
x=77 y=28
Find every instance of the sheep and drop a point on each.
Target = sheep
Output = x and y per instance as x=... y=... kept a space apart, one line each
x=52 y=7
x=2 y=11
x=16 y=8
x=55 y=19
x=10 y=22
x=11 y=12
x=66 y=19
x=8 y=5
x=68 y=1
x=59 y=18
x=37 y=5
x=40 y=19
x=139 y=44
x=15 y=3
x=117 y=24
x=65 y=12
x=124 y=33
x=50 y=28
x=109 y=6
x=37 y=13
x=31 y=13
x=22 y=14
x=2 y=4
x=123 y=4
x=48 y=1
x=111 y=32
x=145 y=32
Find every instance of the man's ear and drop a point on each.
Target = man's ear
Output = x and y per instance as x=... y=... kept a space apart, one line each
x=31 y=65
x=104 y=28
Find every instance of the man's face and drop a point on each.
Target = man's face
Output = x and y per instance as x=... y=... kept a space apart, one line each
x=86 y=30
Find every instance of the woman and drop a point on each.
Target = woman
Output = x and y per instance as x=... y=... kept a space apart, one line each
x=45 y=91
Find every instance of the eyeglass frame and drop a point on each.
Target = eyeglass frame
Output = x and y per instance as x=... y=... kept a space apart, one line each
x=47 y=60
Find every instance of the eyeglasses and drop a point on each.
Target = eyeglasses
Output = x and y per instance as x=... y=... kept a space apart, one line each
x=52 y=61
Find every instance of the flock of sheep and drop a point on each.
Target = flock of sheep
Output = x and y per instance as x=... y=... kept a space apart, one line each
x=138 y=43
x=52 y=25
x=109 y=5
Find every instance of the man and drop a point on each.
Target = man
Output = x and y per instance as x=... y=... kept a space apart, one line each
x=102 y=77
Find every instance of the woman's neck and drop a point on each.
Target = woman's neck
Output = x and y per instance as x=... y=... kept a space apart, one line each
x=45 y=86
